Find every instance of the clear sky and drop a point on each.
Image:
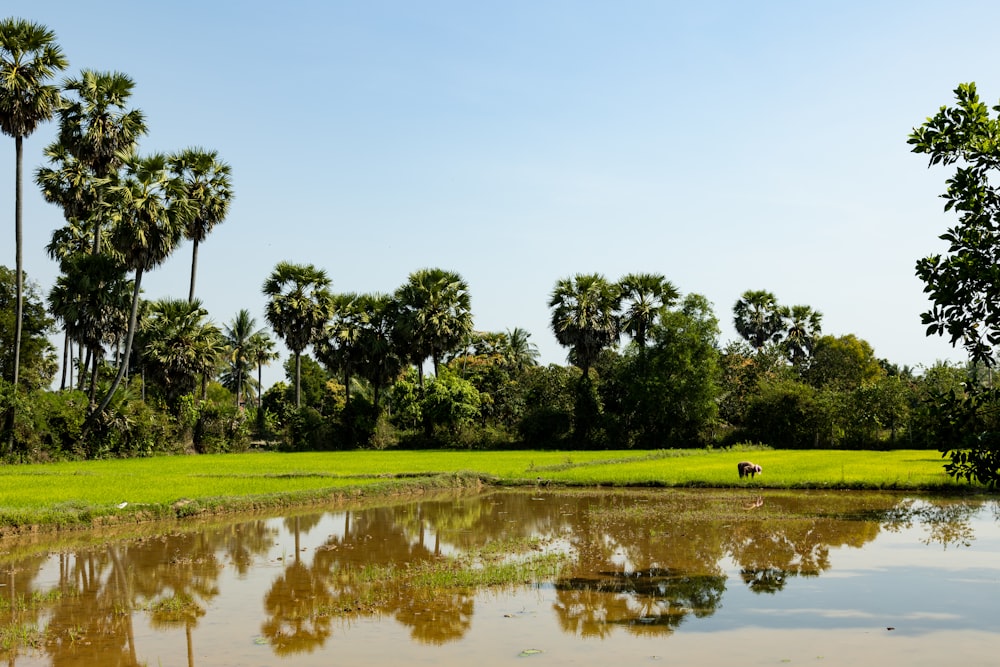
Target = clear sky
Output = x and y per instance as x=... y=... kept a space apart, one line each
x=728 y=145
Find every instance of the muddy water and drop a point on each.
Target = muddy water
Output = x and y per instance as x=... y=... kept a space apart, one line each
x=669 y=577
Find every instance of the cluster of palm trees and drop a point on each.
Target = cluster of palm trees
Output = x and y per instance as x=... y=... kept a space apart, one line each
x=125 y=212
x=762 y=321
x=371 y=338
x=590 y=313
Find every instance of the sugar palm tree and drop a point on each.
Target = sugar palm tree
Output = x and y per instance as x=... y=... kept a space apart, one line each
x=583 y=317
x=435 y=315
x=91 y=298
x=758 y=318
x=97 y=129
x=208 y=186
x=178 y=345
x=803 y=326
x=644 y=298
x=29 y=57
x=299 y=305
x=151 y=216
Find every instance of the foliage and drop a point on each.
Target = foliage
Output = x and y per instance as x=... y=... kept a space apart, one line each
x=964 y=284
x=434 y=316
x=782 y=414
x=177 y=347
x=844 y=363
x=671 y=395
x=207 y=185
x=309 y=430
x=299 y=305
x=221 y=428
x=549 y=393
x=277 y=402
x=450 y=402
x=584 y=317
x=757 y=318
x=29 y=58
x=38 y=361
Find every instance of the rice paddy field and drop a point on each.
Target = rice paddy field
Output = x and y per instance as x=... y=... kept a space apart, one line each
x=95 y=492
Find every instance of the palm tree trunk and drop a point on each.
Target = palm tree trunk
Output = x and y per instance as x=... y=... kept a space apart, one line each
x=85 y=356
x=19 y=281
x=67 y=350
x=260 y=387
x=194 y=268
x=96 y=359
x=298 y=378
x=133 y=317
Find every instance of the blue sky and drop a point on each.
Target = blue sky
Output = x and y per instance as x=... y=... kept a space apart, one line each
x=728 y=145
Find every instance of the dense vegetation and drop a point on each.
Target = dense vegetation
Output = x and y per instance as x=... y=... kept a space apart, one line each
x=646 y=366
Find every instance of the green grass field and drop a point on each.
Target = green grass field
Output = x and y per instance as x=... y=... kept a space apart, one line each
x=88 y=492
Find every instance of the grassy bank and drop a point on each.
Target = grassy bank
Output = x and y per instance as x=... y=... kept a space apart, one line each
x=115 y=491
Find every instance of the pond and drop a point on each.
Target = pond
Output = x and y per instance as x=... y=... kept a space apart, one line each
x=546 y=577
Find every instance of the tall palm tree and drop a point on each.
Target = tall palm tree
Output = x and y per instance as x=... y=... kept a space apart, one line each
x=152 y=212
x=583 y=317
x=758 y=318
x=207 y=184
x=435 y=315
x=239 y=335
x=644 y=298
x=260 y=353
x=29 y=57
x=97 y=129
x=299 y=305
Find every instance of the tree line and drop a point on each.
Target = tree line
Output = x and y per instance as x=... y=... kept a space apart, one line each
x=645 y=364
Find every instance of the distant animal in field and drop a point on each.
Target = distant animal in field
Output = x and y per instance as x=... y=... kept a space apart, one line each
x=746 y=468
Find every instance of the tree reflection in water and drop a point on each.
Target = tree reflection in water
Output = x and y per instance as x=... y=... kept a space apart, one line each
x=642 y=561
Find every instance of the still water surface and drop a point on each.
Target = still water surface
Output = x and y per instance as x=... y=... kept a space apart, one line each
x=652 y=577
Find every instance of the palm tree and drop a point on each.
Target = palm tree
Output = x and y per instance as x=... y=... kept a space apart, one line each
x=520 y=353
x=29 y=57
x=177 y=346
x=92 y=299
x=260 y=353
x=803 y=327
x=239 y=335
x=644 y=298
x=96 y=129
x=381 y=361
x=207 y=185
x=151 y=216
x=758 y=318
x=71 y=185
x=435 y=315
x=338 y=348
x=583 y=317
x=299 y=305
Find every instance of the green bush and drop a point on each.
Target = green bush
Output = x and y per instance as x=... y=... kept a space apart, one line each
x=221 y=429
x=308 y=430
